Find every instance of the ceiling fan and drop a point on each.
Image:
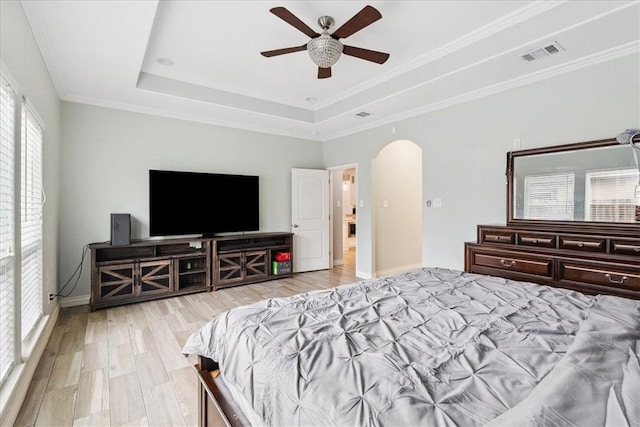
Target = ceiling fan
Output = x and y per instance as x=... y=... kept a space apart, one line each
x=325 y=49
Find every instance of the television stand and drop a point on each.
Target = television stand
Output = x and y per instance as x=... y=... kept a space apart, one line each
x=151 y=269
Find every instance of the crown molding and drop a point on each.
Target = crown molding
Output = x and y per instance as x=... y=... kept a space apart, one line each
x=507 y=21
x=595 y=59
x=458 y=44
x=188 y=117
x=37 y=28
x=235 y=101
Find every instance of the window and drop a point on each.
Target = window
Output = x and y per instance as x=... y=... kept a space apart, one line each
x=610 y=195
x=549 y=196
x=21 y=231
x=31 y=220
x=7 y=227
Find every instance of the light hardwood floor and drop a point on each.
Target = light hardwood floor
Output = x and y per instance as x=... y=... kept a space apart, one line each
x=123 y=365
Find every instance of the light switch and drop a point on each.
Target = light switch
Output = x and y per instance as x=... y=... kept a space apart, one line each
x=385 y=203
x=437 y=202
x=338 y=204
x=361 y=203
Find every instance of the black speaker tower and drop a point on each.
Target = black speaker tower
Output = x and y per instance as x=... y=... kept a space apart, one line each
x=120 y=229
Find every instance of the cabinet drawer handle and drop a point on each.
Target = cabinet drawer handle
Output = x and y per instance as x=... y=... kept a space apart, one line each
x=636 y=249
x=580 y=244
x=617 y=282
x=509 y=263
x=534 y=241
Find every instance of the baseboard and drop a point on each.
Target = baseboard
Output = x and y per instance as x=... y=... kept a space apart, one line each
x=363 y=275
x=338 y=262
x=396 y=270
x=74 y=301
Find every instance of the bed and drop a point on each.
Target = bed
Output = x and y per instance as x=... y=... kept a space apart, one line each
x=430 y=347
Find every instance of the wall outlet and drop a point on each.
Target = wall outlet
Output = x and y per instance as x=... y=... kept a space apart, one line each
x=52 y=297
x=437 y=203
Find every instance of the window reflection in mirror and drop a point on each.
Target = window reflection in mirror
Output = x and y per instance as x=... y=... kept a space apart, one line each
x=593 y=184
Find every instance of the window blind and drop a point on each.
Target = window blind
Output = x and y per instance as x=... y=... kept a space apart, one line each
x=7 y=227
x=610 y=195
x=549 y=196
x=31 y=221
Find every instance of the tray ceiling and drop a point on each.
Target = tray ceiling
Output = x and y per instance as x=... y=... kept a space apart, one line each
x=200 y=60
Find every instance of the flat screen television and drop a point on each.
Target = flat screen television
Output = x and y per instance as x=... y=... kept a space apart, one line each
x=184 y=203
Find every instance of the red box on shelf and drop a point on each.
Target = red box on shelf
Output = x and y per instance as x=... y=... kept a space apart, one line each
x=282 y=256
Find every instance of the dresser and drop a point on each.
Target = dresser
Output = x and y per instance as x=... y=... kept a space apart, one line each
x=589 y=263
x=560 y=231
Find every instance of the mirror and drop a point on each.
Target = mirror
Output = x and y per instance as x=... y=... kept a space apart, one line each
x=594 y=181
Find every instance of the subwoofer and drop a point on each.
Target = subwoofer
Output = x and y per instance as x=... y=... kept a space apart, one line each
x=120 y=229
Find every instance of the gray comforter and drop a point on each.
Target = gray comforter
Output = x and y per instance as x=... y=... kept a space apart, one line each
x=432 y=347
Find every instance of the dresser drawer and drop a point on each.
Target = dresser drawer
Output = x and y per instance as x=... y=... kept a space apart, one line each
x=625 y=247
x=608 y=275
x=582 y=243
x=520 y=263
x=540 y=240
x=497 y=236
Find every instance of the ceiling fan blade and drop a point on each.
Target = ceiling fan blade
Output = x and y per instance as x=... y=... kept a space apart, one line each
x=291 y=19
x=368 y=15
x=276 y=52
x=324 y=73
x=369 y=55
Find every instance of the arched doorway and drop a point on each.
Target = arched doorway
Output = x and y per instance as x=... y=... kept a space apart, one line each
x=397 y=196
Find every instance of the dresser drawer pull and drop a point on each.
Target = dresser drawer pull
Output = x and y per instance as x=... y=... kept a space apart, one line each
x=497 y=238
x=617 y=282
x=580 y=244
x=511 y=263
x=625 y=248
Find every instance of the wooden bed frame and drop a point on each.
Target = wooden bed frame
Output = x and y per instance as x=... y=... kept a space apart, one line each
x=216 y=408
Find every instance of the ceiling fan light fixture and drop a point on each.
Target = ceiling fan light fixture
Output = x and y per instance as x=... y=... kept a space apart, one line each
x=324 y=50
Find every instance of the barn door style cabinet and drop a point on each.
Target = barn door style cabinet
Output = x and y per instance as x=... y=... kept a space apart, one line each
x=239 y=267
x=148 y=270
x=248 y=258
x=133 y=279
x=152 y=269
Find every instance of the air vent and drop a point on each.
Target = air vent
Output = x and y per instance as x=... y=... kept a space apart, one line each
x=542 y=52
x=363 y=114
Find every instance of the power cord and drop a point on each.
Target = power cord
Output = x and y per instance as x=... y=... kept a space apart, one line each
x=77 y=271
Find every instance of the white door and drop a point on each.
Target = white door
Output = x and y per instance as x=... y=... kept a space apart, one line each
x=310 y=219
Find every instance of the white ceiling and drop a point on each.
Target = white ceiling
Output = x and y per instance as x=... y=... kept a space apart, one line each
x=441 y=53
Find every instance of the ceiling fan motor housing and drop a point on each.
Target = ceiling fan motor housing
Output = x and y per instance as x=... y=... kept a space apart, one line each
x=324 y=50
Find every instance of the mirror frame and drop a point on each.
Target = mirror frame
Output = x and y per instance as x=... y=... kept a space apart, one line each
x=620 y=229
